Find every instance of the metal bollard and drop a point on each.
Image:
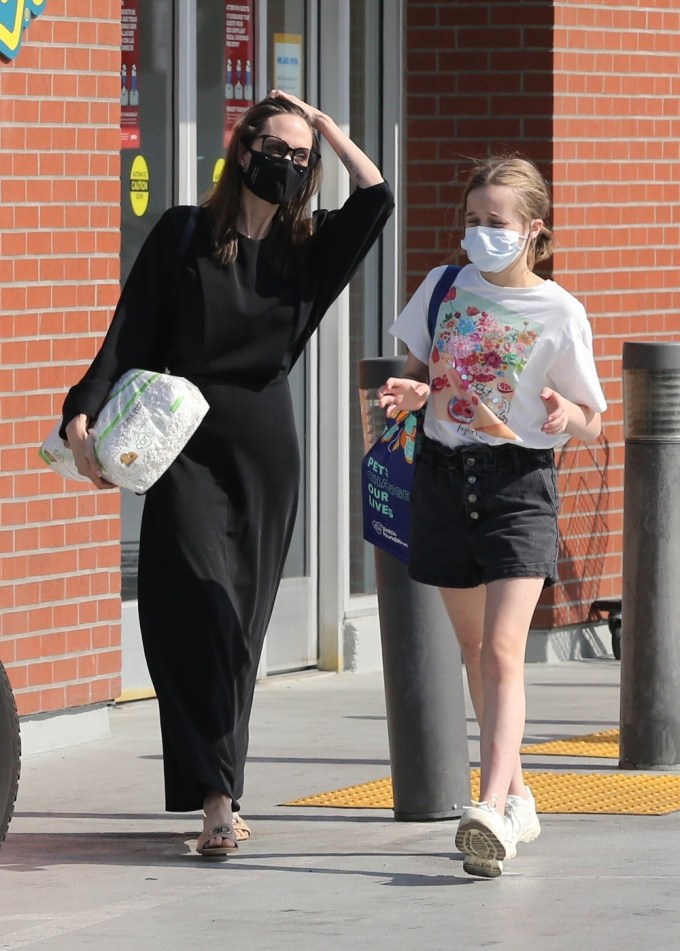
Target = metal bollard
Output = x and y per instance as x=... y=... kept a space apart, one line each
x=422 y=667
x=650 y=636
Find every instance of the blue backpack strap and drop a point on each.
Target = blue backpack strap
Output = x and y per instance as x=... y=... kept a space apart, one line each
x=439 y=293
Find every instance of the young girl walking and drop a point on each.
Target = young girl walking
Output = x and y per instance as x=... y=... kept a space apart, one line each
x=507 y=377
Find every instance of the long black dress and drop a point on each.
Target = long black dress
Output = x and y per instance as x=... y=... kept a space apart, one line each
x=217 y=526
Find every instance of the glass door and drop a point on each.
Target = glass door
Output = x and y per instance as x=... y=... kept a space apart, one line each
x=293 y=632
x=146 y=177
x=167 y=105
x=229 y=38
x=366 y=305
x=146 y=168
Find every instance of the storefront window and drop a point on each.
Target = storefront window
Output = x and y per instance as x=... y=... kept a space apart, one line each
x=286 y=71
x=146 y=175
x=365 y=288
x=225 y=47
x=226 y=87
x=146 y=121
x=227 y=43
x=285 y=46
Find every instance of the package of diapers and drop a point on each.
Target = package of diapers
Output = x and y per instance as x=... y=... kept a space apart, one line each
x=145 y=423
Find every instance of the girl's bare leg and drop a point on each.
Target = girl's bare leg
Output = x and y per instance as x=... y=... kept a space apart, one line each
x=510 y=605
x=495 y=670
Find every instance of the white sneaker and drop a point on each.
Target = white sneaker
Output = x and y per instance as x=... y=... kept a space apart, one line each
x=521 y=819
x=483 y=868
x=481 y=838
x=511 y=832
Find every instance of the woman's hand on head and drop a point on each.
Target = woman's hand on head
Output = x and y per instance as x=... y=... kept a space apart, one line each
x=401 y=393
x=362 y=170
x=82 y=446
x=311 y=112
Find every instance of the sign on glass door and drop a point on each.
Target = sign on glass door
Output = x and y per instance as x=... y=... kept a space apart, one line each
x=239 y=45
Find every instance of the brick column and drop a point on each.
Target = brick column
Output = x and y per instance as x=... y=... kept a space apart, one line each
x=616 y=167
x=59 y=268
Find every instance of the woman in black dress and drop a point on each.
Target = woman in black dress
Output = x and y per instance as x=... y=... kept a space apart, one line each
x=231 y=310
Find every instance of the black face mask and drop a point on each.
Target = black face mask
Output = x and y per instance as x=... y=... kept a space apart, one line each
x=273 y=180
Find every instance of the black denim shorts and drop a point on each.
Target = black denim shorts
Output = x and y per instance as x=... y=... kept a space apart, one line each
x=483 y=513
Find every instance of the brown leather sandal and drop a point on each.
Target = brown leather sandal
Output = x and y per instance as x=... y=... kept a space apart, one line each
x=241 y=828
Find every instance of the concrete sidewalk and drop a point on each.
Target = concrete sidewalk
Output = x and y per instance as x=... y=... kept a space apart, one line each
x=92 y=862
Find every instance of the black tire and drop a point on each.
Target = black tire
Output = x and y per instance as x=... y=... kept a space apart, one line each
x=10 y=753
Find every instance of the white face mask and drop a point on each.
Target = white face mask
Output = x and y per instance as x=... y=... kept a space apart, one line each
x=492 y=249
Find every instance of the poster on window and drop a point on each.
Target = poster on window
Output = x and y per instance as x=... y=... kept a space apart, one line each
x=288 y=63
x=130 y=137
x=238 y=62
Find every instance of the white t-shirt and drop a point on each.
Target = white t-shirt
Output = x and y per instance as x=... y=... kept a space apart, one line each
x=494 y=349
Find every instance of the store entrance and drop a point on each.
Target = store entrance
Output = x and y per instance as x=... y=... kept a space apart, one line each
x=178 y=103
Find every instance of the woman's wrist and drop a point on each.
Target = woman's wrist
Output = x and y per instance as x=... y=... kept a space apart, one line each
x=362 y=170
x=322 y=122
x=79 y=425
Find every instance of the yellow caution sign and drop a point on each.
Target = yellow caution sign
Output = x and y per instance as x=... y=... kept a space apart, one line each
x=139 y=186
x=217 y=170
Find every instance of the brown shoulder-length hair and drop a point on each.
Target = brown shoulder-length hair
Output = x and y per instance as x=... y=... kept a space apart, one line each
x=292 y=224
x=532 y=195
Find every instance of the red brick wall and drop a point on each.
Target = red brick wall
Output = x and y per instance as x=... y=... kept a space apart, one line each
x=59 y=242
x=616 y=168
x=590 y=92
x=478 y=76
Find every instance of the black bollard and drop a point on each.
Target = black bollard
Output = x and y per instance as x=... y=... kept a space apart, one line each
x=422 y=666
x=650 y=635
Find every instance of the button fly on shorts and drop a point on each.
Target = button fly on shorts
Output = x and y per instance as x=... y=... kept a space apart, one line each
x=474 y=498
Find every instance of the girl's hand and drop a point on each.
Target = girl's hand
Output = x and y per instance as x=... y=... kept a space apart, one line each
x=567 y=417
x=557 y=408
x=400 y=393
x=82 y=447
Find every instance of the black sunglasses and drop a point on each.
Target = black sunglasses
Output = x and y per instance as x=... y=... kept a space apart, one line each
x=276 y=148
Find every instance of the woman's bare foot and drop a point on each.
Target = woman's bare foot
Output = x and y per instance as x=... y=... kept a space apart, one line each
x=218 y=836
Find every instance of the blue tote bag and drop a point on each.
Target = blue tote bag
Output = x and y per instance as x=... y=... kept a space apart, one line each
x=388 y=466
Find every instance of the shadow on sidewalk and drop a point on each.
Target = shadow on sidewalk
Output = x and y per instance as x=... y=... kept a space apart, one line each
x=30 y=853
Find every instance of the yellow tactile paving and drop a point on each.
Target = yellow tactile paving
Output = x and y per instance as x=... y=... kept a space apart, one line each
x=614 y=794
x=635 y=794
x=603 y=745
x=373 y=795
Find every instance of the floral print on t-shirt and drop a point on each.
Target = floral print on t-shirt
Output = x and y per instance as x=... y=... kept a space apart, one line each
x=478 y=354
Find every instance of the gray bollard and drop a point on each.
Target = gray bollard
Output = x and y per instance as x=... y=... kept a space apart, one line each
x=650 y=636
x=422 y=667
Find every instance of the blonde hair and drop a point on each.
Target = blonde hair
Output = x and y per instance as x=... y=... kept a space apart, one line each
x=532 y=195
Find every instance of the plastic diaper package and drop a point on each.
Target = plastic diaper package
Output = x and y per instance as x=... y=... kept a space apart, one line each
x=145 y=423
